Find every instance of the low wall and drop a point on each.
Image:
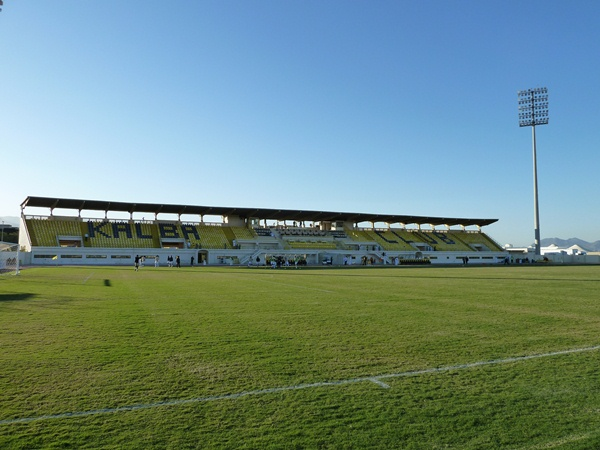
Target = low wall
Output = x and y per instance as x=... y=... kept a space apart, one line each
x=78 y=256
x=574 y=259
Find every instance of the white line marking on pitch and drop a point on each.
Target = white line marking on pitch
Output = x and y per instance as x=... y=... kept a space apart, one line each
x=379 y=383
x=376 y=379
x=88 y=277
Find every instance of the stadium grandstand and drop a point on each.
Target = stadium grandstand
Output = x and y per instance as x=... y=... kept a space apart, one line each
x=92 y=232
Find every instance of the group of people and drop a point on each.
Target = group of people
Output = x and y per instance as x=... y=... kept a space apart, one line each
x=170 y=261
x=364 y=261
x=139 y=261
x=277 y=262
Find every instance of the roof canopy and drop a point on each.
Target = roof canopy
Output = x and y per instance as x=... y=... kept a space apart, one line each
x=260 y=213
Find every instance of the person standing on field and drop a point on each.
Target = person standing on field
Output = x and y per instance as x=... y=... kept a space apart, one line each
x=177 y=261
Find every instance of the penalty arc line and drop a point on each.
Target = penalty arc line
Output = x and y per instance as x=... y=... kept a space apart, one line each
x=373 y=379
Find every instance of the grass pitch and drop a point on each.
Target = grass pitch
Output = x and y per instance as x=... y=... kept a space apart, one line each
x=415 y=358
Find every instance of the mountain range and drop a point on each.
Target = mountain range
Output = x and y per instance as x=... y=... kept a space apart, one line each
x=565 y=243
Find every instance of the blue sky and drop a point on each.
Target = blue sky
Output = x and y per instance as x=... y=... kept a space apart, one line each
x=390 y=107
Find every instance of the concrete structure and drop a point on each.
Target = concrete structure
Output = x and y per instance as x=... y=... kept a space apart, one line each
x=115 y=232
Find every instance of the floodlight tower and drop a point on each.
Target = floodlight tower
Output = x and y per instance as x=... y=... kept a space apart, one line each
x=533 y=110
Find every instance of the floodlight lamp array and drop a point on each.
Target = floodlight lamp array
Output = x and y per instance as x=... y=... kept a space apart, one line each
x=533 y=107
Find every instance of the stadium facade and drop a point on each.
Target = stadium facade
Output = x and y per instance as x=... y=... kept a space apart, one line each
x=73 y=232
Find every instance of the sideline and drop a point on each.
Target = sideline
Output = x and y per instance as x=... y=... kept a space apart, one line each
x=372 y=379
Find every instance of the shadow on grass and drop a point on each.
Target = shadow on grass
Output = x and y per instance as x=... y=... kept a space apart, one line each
x=15 y=297
x=107 y=283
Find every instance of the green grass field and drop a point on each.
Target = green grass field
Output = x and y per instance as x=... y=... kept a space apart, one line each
x=411 y=358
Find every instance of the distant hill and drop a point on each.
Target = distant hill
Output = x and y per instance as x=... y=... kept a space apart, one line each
x=10 y=220
x=589 y=246
x=10 y=229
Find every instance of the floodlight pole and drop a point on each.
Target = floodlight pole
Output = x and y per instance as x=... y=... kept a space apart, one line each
x=536 y=206
x=533 y=110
